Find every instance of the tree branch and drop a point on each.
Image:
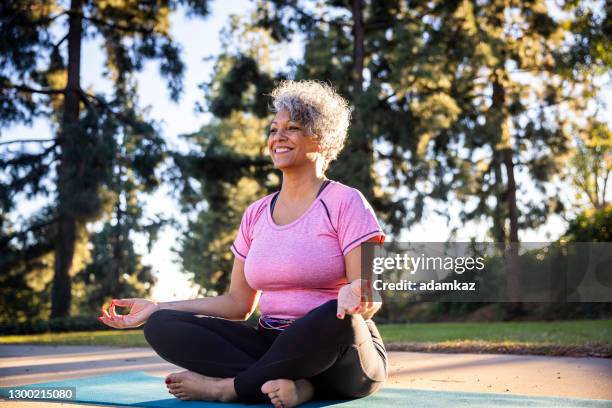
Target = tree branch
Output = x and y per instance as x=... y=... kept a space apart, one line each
x=5 y=240
x=370 y=26
x=105 y=106
x=27 y=89
x=15 y=161
x=60 y=41
x=27 y=141
x=604 y=191
x=100 y=22
x=298 y=10
x=46 y=20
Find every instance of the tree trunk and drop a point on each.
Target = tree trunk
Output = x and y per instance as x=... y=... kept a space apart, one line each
x=505 y=142
x=504 y=146
x=358 y=45
x=511 y=194
x=515 y=307
x=118 y=261
x=499 y=229
x=359 y=150
x=67 y=224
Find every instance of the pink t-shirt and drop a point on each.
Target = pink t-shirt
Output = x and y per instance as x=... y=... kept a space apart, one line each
x=300 y=266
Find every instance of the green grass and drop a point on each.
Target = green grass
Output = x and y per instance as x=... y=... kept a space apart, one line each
x=562 y=333
x=121 y=338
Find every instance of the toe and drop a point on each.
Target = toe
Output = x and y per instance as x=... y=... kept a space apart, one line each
x=270 y=386
x=175 y=377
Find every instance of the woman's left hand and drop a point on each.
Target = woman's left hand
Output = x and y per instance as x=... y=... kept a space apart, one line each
x=350 y=300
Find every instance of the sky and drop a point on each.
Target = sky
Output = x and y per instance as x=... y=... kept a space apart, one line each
x=200 y=38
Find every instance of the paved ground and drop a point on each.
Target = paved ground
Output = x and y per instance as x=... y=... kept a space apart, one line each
x=526 y=375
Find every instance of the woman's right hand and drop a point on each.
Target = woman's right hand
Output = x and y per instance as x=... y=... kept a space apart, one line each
x=140 y=311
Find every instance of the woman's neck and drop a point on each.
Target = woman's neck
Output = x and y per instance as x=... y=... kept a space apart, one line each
x=301 y=183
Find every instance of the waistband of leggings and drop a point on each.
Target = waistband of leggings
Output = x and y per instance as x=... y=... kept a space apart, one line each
x=274 y=323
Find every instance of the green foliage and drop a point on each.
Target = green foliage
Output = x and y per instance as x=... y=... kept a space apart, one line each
x=561 y=333
x=591 y=163
x=593 y=225
x=592 y=27
x=226 y=169
x=219 y=182
x=443 y=104
x=61 y=324
x=104 y=153
x=454 y=100
x=505 y=337
x=116 y=270
x=19 y=301
x=236 y=83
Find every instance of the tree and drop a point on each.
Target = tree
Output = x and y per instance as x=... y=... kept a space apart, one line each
x=592 y=225
x=223 y=174
x=449 y=113
x=592 y=28
x=226 y=168
x=591 y=163
x=461 y=102
x=589 y=56
x=40 y=78
x=115 y=269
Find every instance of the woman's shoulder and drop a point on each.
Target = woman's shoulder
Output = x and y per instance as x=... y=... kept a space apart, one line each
x=341 y=193
x=257 y=207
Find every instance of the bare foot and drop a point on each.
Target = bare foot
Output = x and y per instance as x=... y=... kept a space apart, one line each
x=288 y=393
x=188 y=385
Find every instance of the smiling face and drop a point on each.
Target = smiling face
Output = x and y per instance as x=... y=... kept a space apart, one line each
x=290 y=144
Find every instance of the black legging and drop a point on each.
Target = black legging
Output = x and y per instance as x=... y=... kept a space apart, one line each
x=341 y=358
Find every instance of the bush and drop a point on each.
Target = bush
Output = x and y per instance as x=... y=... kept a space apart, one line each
x=60 y=324
x=591 y=226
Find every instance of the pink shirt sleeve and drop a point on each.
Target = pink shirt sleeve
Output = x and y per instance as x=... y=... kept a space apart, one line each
x=242 y=243
x=357 y=223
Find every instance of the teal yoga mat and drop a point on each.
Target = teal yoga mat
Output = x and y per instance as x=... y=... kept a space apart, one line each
x=139 y=389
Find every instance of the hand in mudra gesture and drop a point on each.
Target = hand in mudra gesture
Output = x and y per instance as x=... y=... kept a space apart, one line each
x=140 y=310
x=353 y=299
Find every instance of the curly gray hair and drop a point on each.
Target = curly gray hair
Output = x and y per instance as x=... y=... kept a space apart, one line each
x=320 y=109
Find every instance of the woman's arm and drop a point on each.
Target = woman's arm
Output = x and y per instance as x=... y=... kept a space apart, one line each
x=352 y=261
x=237 y=304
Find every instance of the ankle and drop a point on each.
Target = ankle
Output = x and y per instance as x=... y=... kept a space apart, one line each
x=227 y=392
x=305 y=386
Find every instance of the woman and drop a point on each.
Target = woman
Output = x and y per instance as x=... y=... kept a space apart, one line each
x=298 y=248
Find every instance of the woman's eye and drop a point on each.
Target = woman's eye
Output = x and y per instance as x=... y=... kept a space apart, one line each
x=272 y=131
x=294 y=128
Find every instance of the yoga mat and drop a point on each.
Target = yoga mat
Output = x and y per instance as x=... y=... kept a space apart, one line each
x=139 y=389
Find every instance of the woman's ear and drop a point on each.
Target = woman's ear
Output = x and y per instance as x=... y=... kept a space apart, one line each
x=317 y=142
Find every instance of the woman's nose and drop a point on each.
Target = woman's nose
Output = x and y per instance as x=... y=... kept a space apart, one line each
x=278 y=135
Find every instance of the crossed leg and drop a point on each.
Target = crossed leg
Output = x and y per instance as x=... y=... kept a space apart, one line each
x=318 y=351
x=213 y=350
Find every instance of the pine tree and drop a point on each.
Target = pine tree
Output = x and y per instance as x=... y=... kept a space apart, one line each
x=462 y=102
x=40 y=78
x=115 y=269
x=227 y=168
